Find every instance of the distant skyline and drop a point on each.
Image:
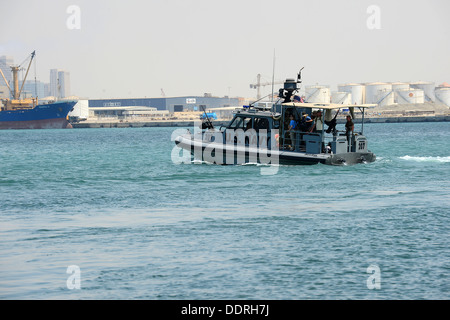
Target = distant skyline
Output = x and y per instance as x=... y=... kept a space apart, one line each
x=124 y=49
x=58 y=85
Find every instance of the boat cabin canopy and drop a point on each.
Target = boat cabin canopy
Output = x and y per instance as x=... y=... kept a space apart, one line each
x=330 y=106
x=326 y=107
x=269 y=118
x=256 y=119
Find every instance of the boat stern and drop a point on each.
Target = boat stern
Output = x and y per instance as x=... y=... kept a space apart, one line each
x=350 y=158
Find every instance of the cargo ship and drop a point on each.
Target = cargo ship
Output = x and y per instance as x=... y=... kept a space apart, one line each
x=19 y=113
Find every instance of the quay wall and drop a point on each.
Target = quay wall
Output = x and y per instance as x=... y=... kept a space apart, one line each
x=190 y=123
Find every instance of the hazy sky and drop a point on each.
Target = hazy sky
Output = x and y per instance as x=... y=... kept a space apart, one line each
x=190 y=47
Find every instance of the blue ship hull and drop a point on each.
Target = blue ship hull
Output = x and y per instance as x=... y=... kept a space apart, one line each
x=46 y=116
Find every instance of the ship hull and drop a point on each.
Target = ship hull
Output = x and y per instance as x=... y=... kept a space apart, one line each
x=50 y=116
x=56 y=123
x=233 y=154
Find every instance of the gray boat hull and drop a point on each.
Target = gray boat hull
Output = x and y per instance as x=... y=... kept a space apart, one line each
x=233 y=154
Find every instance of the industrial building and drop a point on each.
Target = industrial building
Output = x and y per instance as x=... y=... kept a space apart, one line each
x=172 y=104
x=404 y=98
x=143 y=109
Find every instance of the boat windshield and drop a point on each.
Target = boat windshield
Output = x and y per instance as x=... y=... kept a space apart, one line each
x=261 y=123
x=241 y=123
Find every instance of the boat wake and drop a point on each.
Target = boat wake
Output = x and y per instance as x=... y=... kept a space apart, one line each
x=426 y=159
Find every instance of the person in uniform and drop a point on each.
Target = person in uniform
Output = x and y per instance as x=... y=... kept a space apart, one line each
x=349 y=128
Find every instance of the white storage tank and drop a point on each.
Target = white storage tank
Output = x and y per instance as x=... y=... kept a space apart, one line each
x=410 y=96
x=357 y=92
x=341 y=97
x=427 y=87
x=377 y=92
x=443 y=95
x=387 y=100
x=318 y=94
x=399 y=86
x=396 y=86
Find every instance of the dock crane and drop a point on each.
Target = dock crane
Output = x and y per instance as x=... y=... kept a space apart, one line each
x=258 y=85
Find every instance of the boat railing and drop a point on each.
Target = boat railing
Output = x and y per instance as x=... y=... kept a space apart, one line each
x=309 y=142
x=313 y=142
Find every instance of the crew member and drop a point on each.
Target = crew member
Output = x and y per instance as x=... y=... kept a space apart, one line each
x=292 y=126
x=349 y=128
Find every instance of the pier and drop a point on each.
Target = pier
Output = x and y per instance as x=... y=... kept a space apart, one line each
x=140 y=124
x=218 y=123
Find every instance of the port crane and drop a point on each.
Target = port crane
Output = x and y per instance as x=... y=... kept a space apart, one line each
x=258 y=85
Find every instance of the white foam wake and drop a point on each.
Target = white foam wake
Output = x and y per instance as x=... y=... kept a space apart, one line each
x=426 y=159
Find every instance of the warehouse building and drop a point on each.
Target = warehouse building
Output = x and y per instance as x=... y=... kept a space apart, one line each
x=172 y=104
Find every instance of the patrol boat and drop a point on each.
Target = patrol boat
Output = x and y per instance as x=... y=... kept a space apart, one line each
x=263 y=133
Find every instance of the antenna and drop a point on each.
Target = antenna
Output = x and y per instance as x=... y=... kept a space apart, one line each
x=273 y=73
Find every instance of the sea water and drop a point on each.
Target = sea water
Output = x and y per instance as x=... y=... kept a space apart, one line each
x=106 y=214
